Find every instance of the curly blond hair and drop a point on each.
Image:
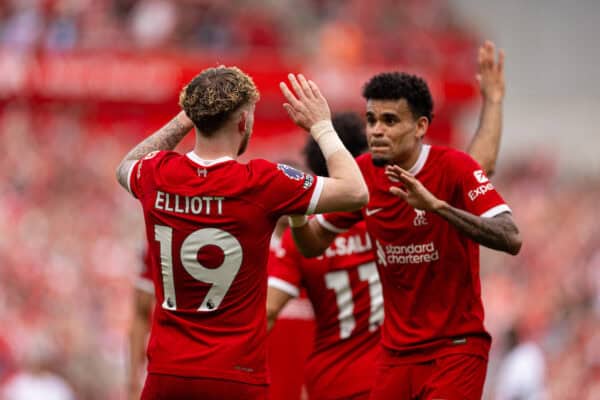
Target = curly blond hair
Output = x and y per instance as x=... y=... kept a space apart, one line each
x=214 y=94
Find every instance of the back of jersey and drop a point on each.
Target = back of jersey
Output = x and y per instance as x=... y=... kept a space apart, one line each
x=344 y=289
x=209 y=225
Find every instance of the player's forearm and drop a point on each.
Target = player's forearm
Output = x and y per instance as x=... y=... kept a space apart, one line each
x=498 y=233
x=166 y=138
x=348 y=189
x=485 y=144
x=350 y=183
x=309 y=241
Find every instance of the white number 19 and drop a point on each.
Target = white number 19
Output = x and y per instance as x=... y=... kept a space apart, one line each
x=221 y=277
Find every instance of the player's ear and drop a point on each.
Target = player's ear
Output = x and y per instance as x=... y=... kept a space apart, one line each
x=242 y=122
x=422 y=125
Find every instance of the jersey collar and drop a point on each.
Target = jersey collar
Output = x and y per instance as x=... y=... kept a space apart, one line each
x=415 y=169
x=207 y=163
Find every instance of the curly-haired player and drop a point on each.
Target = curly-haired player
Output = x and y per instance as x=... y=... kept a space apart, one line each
x=209 y=221
x=430 y=207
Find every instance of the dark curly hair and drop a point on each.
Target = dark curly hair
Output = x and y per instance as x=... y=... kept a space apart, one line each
x=351 y=130
x=400 y=85
x=214 y=94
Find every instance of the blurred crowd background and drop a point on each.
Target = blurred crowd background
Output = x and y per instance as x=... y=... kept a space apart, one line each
x=82 y=80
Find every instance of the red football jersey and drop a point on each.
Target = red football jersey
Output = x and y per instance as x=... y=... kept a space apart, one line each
x=208 y=225
x=345 y=291
x=429 y=271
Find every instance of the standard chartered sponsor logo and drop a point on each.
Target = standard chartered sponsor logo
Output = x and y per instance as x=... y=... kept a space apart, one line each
x=408 y=254
x=381 y=254
x=480 y=191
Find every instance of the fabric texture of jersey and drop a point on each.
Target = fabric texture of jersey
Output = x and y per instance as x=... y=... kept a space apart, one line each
x=208 y=225
x=429 y=271
x=345 y=291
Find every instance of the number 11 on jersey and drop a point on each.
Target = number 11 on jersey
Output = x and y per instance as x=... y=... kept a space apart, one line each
x=339 y=282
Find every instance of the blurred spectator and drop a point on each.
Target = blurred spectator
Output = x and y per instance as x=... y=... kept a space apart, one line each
x=153 y=23
x=522 y=372
x=422 y=33
x=37 y=380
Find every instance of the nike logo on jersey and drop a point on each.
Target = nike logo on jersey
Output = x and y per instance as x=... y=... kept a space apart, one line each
x=373 y=211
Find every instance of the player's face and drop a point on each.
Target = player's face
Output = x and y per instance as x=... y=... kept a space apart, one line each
x=393 y=132
x=248 y=123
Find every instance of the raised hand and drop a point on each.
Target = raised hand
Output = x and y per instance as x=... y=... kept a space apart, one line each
x=491 y=72
x=414 y=193
x=306 y=105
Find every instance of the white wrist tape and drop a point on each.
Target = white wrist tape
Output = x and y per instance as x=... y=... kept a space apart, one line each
x=327 y=138
x=296 y=221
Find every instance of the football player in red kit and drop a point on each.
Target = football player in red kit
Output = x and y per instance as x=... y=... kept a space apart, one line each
x=209 y=221
x=430 y=207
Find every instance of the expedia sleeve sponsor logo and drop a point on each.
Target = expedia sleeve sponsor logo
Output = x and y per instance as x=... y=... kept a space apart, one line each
x=409 y=254
x=480 y=191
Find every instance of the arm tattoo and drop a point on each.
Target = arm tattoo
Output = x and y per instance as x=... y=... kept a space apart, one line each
x=166 y=138
x=498 y=233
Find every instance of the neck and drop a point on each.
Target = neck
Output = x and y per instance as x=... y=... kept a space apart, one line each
x=409 y=162
x=219 y=144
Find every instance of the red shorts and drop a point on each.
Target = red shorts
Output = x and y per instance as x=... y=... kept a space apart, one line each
x=170 y=387
x=450 y=377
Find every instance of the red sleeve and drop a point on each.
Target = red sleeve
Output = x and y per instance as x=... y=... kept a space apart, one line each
x=141 y=173
x=284 y=189
x=339 y=222
x=284 y=267
x=478 y=194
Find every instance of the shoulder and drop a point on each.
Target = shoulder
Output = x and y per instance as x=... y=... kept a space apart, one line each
x=461 y=167
x=452 y=160
x=260 y=163
x=158 y=157
x=268 y=168
x=450 y=155
x=150 y=161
